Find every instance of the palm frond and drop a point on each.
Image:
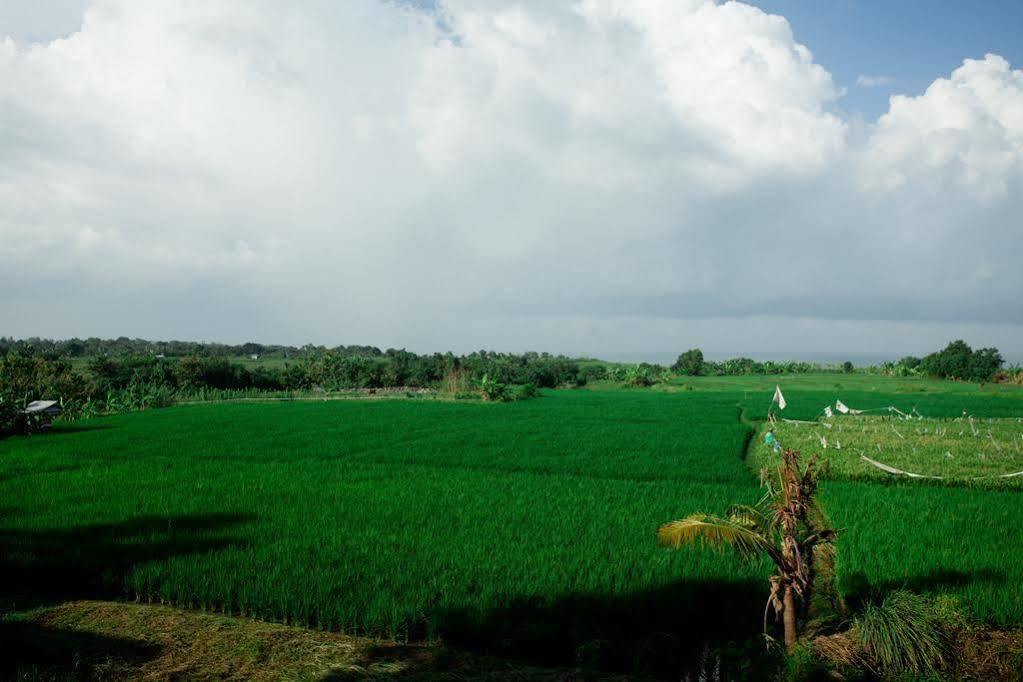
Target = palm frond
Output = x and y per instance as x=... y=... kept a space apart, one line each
x=750 y=516
x=713 y=531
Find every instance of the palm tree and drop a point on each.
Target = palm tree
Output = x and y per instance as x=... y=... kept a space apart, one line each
x=786 y=526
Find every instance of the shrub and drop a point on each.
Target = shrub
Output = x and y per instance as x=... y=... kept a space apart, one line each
x=594 y=372
x=689 y=363
x=640 y=376
x=525 y=392
x=491 y=390
x=958 y=361
x=910 y=362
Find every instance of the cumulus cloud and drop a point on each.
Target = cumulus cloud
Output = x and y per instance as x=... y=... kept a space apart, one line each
x=370 y=172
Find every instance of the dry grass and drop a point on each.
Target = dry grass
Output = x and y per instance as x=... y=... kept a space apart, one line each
x=981 y=654
x=118 y=641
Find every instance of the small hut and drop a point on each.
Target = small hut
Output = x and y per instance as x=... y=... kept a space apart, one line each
x=40 y=413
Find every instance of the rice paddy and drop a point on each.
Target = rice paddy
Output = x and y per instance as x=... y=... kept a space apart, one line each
x=952 y=529
x=530 y=521
x=525 y=526
x=964 y=450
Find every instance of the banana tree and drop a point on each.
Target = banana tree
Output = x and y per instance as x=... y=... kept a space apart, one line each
x=786 y=526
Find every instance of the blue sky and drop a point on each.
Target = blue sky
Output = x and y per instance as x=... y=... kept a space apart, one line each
x=910 y=41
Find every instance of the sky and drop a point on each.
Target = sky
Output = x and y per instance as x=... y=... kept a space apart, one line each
x=598 y=177
x=878 y=49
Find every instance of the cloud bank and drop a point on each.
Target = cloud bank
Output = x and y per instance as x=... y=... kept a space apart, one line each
x=576 y=177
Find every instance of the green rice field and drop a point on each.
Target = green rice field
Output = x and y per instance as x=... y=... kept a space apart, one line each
x=526 y=526
x=984 y=452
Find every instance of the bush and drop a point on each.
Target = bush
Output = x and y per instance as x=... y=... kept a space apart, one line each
x=689 y=363
x=640 y=376
x=910 y=362
x=491 y=390
x=525 y=392
x=958 y=361
x=594 y=372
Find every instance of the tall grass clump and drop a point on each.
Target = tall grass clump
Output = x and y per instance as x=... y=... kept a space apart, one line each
x=904 y=634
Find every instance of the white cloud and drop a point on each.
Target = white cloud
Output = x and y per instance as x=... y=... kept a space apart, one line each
x=864 y=81
x=361 y=171
x=965 y=132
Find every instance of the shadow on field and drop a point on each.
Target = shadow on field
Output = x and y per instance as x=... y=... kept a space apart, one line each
x=22 y=472
x=859 y=589
x=664 y=632
x=40 y=567
x=36 y=651
x=71 y=429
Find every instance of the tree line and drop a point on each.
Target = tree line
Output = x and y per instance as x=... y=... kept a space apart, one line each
x=90 y=347
x=131 y=381
x=92 y=376
x=957 y=361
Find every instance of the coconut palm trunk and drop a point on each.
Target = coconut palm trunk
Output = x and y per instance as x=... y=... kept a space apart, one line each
x=789 y=619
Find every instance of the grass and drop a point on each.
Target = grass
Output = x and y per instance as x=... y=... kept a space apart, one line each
x=523 y=529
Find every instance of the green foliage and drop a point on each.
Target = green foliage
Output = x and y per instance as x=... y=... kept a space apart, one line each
x=142 y=381
x=749 y=367
x=525 y=392
x=910 y=362
x=803 y=664
x=594 y=371
x=958 y=361
x=689 y=363
x=847 y=367
x=24 y=378
x=9 y=419
x=492 y=390
x=642 y=375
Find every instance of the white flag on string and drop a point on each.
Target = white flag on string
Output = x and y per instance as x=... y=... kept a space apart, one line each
x=778 y=397
x=840 y=406
x=827 y=412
